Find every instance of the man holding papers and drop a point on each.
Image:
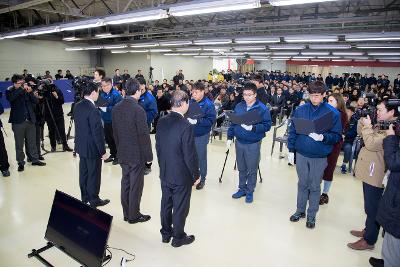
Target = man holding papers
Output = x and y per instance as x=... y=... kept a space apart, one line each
x=312 y=149
x=249 y=131
x=202 y=126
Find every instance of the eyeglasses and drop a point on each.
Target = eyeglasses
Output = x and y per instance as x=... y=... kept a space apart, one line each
x=248 y=95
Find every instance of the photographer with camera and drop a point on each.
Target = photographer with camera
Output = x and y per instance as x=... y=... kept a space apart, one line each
x=53 y=113
x=23 y=119
x=370 y=168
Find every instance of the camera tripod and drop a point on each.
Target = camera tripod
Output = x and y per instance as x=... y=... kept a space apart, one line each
x=223 y=168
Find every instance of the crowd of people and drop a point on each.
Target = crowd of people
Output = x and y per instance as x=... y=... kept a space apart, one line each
x=356 y=105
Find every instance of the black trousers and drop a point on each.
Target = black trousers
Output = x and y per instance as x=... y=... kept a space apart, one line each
x=53 y=135
x=372 y=198
x=90 y=179
x=274 y=114
x=109 y=136
x=131 y=189
x=38 y=135
x=175 y=204
x=4 y=164
x=25 y=131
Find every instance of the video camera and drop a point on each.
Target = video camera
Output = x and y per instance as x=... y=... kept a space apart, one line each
x=370 y=110
x=384 y=125
x=78 y=84
x=45 y=87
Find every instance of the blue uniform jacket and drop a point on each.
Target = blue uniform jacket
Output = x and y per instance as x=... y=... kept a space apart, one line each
x=259 y=129
x=113 y=97
x=304 y=144
x=204 y=124
x=149 y=104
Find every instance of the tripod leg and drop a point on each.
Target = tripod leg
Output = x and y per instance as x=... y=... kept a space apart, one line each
x=223 y=168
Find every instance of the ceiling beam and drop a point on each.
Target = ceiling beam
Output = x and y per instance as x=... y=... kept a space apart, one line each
x=22 y=6
x=59 y=12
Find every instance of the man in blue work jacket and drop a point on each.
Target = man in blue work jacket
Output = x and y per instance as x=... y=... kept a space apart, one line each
x=248 y=141
x=311 y=152
x=202 y=128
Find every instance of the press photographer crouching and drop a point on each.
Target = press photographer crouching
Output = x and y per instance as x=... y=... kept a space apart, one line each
x=53 y=99
x=23 y=119
x=370 y=168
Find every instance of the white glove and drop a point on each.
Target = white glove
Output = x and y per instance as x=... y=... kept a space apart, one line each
x=192 y=121
x=316 y=137
x=104 y=109
x=290 y=158
x=228 y=144
x=247 y=127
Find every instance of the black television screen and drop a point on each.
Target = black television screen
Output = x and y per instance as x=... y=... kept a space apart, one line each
x=78 y=229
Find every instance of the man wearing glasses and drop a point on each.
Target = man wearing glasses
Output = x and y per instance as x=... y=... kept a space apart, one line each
x=248 y=141
x=311 y=152
x=23 y=119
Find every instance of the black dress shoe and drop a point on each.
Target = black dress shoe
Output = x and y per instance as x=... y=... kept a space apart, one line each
x=53 y=149
x=310 y=223
x=41 y=158
x=110 y=159
x=140 y=219
x=166 y=239
x=21 y=168
x=176 y=243
x=297 y=216
x=376 y=262
x=200 y=185
x=147 y=170
x=38 y=163
x=99 y=203
x=67 y=148
x=5 y=173
x=115 y=161
x=28 y=160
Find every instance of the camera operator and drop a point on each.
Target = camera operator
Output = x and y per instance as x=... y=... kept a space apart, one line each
x=389 y=210
x=23 y=119
x=54 y=114
x=370 y=168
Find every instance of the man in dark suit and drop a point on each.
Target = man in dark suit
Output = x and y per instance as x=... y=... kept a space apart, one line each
x=261 y=92
x=90 y=145
x=132 y=138
x=23 y=119
x=277 y=103
x=179 y=170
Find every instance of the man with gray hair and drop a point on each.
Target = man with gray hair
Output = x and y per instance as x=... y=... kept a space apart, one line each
x=179 y=170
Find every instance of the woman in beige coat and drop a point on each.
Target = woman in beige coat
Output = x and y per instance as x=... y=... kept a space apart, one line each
x=370 y=168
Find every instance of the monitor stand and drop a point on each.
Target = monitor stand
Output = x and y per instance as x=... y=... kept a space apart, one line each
x=36 y=253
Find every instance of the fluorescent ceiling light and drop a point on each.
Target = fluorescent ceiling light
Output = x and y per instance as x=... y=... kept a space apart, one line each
x=198 y=7
x=138 y=51
x=357 y=58
x=93 y=48
x=338 y=60
x=70 y=39
x=217 y=49
x=280 y=58
x=235 y=54
x=85 y=24
x=287 y=47
x=378 y=46
x=285 y=53
x=115 y=46
x=44 y=30
x=172 y=54
x=189 y=54
x=391 y=58
x=384 y=54
x=295 y=2
x=257 y=40
x=119 y=51
x=300 y=57
x=136 y=17
x=144 y=45
x=15 y=35
x=212 y=42
x=73 y=49
x=209 y=54
x=188 y=49
x=103 y=35
x=160 y=50
x=310 y=38
x=259 y=53
x=329 y=47
x=329 y=57
x=347 y=53
x=319 y=53
x=249 y=48
x=176 y=43
x=382 y=36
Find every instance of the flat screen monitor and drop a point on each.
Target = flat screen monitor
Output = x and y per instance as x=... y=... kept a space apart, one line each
x=78 y=229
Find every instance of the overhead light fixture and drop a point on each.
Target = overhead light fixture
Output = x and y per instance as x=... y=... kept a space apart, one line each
x=257 y=40
x=347 y=53
x=329 y=57
x=43 y=30
x=296 y=2
x=15 y=35
x=70 y=39
x=93 y=48
x=209 y=54
x=217 y=49
x=207 y=7
x=73 y=49
x=378 y=46
x=115 y=46
x=339 y=60
x=212 y=42
x=189 y=54
x=357 y=58
x=176 y=43
x=319 y=53
x=280 y=58
x=103 y=35
x=160 y=50
x=328 y=47
x=384 y=54
x=235 y=54
x=381 y=36
x=172 y=54
x=287 y=47
x=188 y=49
x=138 y=51
x=285 y=53
x=301 y=57
x=259 y=53
x=388 y=58
x=132 y=17
x=119 y=51
x=80 y=25
x=144 y=45
x=249 y=48
x=310 y=38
